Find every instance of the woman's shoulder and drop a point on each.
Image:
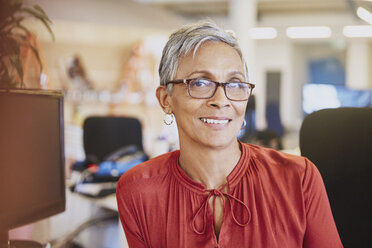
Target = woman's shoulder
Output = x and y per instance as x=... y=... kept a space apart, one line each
x=149 y=170
x=273 y=159
x=278 y=166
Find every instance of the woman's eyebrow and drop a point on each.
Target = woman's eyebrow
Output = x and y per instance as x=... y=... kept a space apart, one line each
x=200 y=72
x=236 y=72
x=208 y=73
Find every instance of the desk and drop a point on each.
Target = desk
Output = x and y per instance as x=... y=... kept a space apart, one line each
x=109 y=202
x=79 y=209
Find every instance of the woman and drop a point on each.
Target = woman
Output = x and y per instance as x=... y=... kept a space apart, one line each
x=215 y=191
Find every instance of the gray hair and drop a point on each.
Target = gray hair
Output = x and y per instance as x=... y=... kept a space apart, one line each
x=189 y=38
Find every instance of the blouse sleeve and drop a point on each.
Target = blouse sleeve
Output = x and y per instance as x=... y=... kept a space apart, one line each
x=128 y=219
x=321 y=231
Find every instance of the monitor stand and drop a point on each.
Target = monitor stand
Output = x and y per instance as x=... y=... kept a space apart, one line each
x=6 y=243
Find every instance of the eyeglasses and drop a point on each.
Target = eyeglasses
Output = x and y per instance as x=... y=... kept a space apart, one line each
x=202 y=88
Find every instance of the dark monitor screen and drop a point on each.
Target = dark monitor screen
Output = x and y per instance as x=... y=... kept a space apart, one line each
x=32 y=185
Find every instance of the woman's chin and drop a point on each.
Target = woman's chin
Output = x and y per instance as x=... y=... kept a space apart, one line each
x=219 y=142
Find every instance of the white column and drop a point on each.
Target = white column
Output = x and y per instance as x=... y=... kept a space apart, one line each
x=243 y=17
x=358 y=65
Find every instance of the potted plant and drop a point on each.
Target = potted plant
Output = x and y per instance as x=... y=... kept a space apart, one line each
x=14 y=37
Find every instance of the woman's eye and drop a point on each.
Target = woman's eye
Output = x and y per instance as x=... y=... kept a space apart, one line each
x=238 y=85
x=200 y=83
x=234 y=84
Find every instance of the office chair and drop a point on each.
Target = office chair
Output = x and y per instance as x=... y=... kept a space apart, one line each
x=339 y=142
x=104 y=135
x=112 y=146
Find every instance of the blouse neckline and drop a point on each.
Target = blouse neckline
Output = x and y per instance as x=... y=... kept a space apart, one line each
x=232 y=179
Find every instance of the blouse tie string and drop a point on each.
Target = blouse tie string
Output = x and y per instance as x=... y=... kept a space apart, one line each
x=204 y=207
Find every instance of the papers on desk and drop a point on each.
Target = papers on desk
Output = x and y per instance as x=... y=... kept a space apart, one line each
x=96 y=189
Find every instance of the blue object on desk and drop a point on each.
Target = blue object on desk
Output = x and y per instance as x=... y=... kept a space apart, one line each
x=112 y=168
x=101 y=180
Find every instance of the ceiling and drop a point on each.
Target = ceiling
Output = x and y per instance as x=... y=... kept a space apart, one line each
x=220 y=7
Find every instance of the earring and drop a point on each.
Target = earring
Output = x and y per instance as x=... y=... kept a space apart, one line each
x=244 y=124
x=168 y=118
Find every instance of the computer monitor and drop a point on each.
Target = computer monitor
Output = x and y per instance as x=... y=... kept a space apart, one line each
x=32 y=182
x=321 y=96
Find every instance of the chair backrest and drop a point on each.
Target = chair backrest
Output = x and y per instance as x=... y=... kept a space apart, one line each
x=103 y=135
x=339 y=142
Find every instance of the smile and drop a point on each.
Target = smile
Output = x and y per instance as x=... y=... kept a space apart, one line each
x=214 y=121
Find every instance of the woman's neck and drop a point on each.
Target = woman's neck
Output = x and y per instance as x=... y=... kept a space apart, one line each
x=209 y=166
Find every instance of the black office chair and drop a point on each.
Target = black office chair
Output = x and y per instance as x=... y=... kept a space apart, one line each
x=103 y=135
x=112 y=146
x=339 y=142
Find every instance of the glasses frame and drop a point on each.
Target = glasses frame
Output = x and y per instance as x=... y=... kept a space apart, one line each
x=222 y=84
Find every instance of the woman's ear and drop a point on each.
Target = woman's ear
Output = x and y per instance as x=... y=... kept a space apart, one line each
x=164 y=99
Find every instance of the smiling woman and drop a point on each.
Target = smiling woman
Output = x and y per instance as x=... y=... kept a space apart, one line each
x=216 y=191
x=207 y=119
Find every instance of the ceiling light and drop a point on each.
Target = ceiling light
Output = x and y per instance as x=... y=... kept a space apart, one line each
x=358 y=31
x=364 y=15
x=263 y=33
x=309 y=32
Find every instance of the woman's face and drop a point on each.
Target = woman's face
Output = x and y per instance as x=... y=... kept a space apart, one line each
x=219 y=62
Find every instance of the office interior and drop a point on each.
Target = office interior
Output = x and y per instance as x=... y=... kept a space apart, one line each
x=118 y=43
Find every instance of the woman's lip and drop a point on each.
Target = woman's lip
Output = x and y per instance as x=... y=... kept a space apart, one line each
x=216 y=123
x=216 y=118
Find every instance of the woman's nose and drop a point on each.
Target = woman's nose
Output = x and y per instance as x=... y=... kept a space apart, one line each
x=219 y=98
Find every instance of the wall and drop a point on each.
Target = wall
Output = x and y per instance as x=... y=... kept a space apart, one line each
x=370 y=63
x=119 y=13
x=101 y=32
x=103 y=63
x=273 y=56
x=358 y=64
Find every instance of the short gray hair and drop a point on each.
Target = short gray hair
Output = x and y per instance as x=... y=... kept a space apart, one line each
x=188 y=38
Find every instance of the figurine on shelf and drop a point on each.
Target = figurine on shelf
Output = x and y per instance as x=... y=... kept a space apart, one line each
x=77 y=74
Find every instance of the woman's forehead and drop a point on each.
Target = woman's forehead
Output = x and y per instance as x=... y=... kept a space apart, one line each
x=201 y=48
x=211 y=56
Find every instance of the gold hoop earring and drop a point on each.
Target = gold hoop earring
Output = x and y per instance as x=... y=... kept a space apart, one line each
x=168 y=118
x=244 y=124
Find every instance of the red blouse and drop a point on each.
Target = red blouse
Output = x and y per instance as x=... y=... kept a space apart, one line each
x=274 y=200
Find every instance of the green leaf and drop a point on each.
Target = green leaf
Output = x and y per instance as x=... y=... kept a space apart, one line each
x=13 y=34
x=16 y=62
x=5 y=80
x=14 y=24
x=49 y=30
x=9 y=46
x=38 y=8
x=36 y=53
x=33 y=49
x=20 y=26
x=42 y=19
x=36 y=13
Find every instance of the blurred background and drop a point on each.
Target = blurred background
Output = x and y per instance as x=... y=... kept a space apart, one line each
x=303 y=55
x=117 y=44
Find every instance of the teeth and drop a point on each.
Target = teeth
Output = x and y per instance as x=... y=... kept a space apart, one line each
x=213 y=121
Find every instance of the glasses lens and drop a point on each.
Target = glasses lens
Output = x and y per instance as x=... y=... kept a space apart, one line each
x=201 y=88
x=238 y=91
